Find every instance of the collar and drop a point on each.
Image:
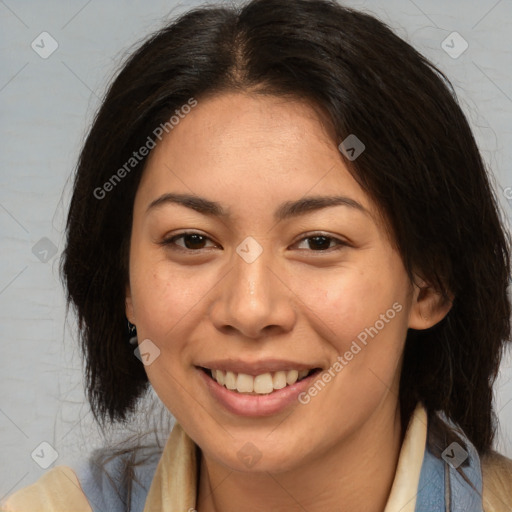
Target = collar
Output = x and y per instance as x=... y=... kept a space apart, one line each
x=174 y=485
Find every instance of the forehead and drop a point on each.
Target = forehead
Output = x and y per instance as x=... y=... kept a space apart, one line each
x=245 y=151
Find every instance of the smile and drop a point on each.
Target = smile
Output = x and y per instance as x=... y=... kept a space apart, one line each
x=262 y=384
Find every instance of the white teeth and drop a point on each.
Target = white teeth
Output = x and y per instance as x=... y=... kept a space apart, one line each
x=244 y=383
x=261 y=384
x=279 y=380
x=230 y=380
x=303 y=373
x=292 y=376
x=219 y=377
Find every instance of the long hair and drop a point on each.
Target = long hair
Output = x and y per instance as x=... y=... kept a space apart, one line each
x=421 y=167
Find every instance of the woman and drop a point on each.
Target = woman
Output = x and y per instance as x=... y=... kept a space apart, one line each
x=315 y=278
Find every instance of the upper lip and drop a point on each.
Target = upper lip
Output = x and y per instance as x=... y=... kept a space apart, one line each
x=256 y=367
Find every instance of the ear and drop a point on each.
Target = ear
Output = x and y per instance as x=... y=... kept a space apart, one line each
x=129 y=311
x=428 y=306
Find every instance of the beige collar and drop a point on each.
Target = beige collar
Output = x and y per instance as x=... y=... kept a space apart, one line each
x=174 y=485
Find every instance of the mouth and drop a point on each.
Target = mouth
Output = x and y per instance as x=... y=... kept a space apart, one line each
x=262 y=384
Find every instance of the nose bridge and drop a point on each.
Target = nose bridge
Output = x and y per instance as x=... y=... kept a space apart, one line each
x=251 y=280
x=253 y=299
x=250 y=287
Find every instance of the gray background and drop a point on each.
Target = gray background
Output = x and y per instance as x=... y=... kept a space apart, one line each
x=46 y=106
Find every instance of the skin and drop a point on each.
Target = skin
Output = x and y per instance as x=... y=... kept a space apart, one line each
x=295 y=301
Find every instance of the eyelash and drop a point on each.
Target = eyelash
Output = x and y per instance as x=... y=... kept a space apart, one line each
x=170 y=242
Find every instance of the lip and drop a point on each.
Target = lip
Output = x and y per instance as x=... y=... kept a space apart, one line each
x=257 y=367
x=256 y=405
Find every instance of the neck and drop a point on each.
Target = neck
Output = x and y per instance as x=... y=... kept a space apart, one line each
x=355 y=474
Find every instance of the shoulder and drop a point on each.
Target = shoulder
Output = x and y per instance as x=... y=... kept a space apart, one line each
x=497 y=481
x=58 y=490
x=108 y=480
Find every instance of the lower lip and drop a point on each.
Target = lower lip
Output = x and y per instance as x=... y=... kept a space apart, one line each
x=257 y=405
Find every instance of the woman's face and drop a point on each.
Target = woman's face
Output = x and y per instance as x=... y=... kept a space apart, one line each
x=240 y=263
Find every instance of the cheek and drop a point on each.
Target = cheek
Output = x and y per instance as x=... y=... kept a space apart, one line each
x=164 y=296
x=166 y=302
x=342 y=305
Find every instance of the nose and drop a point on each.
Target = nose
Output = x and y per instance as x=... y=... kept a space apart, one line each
x=254 y=299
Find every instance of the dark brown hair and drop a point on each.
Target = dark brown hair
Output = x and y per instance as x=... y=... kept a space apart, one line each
x=421 y=167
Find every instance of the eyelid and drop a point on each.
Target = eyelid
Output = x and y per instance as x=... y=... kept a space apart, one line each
x=168 y=241
x=340 y=243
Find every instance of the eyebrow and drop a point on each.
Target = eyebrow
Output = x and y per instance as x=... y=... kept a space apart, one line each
x=285 y=211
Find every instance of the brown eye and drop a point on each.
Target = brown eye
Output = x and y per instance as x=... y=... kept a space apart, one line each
x=191 y=241
x=321 y=243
